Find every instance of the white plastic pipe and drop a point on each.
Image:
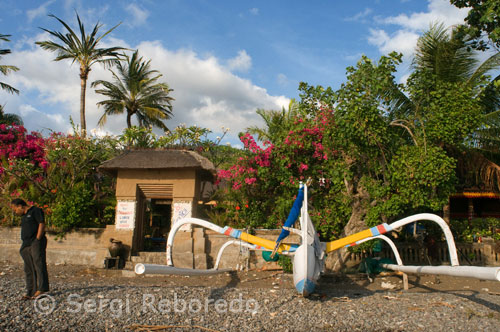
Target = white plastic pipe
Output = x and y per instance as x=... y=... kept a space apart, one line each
x=141 y=268
x=479 y=272
x=444 y=226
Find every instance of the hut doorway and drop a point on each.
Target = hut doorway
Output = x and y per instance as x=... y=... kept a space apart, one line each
x=157 y=222
x=154 y=216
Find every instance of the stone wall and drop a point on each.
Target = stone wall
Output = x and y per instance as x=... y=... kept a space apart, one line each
x=199 y=248
x=88 y=246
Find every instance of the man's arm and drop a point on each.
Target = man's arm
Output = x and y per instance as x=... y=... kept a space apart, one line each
x=40 y=218
x=41 y=231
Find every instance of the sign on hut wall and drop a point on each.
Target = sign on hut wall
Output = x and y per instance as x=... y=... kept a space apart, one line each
x=181 y=210
x=125 y=215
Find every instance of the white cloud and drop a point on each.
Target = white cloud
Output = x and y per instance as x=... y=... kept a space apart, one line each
x=410 y=26
x=359 y=17
x=242 y=62
x=352 y=57
x=402 y=41
x=438 y=11
x=40 y=11
x=139 y=15
x=43 y=120
x=50 y=90
x=205 y=91
x=254 y=11
x=282 y=79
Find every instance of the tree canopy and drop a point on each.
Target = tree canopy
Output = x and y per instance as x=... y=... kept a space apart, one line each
x=136 y=91
x=375 y=149
x=83 y=49
x=483 y=18
x=6 y=69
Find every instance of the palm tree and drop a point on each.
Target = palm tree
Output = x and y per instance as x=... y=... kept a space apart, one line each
x=136 y=91
x=6 y=69
x=82 y=49
x=450 y=58
x=7 y=118
x=277 y=123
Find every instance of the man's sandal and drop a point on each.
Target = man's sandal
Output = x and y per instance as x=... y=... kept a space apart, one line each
x=38 y=294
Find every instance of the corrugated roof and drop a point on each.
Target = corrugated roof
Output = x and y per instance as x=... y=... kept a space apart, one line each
x=157 y=159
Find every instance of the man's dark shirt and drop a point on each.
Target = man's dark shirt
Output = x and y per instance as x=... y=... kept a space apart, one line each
x=29 y=225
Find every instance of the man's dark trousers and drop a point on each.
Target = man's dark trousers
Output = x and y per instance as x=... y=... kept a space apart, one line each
x=35 y=266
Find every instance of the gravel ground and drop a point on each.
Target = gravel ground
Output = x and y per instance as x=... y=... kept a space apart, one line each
x=83 y=299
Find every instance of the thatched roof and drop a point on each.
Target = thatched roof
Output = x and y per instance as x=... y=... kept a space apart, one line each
x=157 y=159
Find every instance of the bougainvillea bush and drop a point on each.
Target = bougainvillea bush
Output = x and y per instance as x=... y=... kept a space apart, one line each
x=59 y=174
x=262 y=185
x=369 y=162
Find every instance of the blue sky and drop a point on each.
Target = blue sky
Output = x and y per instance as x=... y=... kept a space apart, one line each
x=223 y=58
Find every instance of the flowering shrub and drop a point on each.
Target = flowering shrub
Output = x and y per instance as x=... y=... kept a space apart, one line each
x=58 y=174
x=16 y=144
x=263 y=183
x=365 y=169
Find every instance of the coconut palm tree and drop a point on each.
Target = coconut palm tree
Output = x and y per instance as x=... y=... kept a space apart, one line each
x=449 y=58
x=83 y=49
x=6 y=69
x=136 y=91
x=7 y=118
x=277 y=123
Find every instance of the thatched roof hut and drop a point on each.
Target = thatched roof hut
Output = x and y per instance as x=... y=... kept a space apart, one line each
x=157 y=159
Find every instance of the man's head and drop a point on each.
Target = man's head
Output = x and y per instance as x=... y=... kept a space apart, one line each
x=18 y=206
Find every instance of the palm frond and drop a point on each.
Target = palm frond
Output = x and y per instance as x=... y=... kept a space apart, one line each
x=492 y=63
x=6 y=69
x=445 y=55
x=8 y=88
x=134 y=89
x=5 y=37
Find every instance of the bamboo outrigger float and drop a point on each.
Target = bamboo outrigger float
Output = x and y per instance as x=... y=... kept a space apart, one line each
x=309 y=254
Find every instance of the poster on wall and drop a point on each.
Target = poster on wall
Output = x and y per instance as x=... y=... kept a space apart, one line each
x=181 y=210
x=125 y=215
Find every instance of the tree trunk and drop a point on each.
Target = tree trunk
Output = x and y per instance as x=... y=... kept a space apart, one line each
x=355 y=224
x=129 y=121
x=83 y=89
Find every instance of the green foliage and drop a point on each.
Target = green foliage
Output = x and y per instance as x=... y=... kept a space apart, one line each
x=469 y=231
x=6 y=69
x=445 y=112
x=190 y=138
x=73 y=209
x=375 y=150
x=286 y=263
x=138 y=137
x=7 y=118
x=66 y=184
x=136 y=91
x=483 y=17
x=82 y=48
x=422 y=178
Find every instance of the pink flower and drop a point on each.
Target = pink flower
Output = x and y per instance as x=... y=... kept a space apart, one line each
x=250 y=181
x=303 y=167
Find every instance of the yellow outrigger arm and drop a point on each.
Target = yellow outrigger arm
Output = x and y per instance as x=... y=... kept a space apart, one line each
x=258 y=241
x=352 y=240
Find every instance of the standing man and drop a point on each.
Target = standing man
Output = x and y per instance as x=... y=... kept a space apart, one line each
x=33 y=248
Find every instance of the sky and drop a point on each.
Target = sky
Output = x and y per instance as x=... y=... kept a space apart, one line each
x=224 y=59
